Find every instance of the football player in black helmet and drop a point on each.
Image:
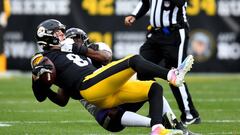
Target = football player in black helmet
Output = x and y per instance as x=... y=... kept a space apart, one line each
x=50 y=33
x=78 y=35
x=108 y=86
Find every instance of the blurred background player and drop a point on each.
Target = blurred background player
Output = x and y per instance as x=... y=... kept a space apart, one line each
x=167 y=40
x=5 y=10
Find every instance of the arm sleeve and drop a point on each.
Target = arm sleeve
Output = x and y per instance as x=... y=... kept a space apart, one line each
x=141 y=9
x=39 y=90
x=60 y=98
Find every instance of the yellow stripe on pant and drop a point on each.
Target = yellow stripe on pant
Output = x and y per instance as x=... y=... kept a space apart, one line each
x=100 y=70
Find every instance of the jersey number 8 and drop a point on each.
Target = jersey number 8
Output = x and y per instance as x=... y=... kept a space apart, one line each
x=77 y=60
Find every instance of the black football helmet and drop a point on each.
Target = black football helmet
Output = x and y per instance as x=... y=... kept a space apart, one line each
x=78 y=33
x=45 y=32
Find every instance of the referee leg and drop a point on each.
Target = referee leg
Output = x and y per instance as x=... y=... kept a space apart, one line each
x=182 y=94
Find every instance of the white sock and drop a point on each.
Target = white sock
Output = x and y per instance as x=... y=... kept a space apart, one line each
x=134 y=119
x=167 y=108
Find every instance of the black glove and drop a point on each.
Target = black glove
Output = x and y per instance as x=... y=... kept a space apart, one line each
x=93 y=46
x=41 y=68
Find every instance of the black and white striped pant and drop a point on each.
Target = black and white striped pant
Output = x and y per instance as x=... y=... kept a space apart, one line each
x=170 y=49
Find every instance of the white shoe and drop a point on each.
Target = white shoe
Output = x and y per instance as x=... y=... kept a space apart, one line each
x=160 y=130
x=176 y=75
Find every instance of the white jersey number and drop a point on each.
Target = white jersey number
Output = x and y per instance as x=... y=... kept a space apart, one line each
x=77 y=60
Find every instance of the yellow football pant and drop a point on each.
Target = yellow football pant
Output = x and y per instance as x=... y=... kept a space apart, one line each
x=110 y=86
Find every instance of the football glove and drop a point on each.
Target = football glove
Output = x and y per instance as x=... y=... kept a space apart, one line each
x=40 y=69
x=93 y=46
x=68 y=45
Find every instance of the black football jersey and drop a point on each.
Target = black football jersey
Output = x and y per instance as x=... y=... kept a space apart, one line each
x=71 y=69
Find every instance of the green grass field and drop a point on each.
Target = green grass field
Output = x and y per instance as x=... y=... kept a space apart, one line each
x=217 y=97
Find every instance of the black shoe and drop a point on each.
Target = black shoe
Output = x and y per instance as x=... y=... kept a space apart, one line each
x=168 y=121
x=196 y=120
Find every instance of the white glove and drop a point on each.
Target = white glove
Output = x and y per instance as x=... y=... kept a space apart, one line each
x=67 y=45
x=103 y=47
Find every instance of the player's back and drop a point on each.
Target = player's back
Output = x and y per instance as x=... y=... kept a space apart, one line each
x=71 y=69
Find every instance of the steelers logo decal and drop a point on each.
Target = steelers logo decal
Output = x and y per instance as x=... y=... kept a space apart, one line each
x=41 y=31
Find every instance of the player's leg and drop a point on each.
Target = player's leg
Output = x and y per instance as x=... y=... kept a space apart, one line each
x=174 y=76
x=143 y=91
x=182 y=95
x=96 y=86
x=117 y=73
x=149 y=52
x=135 y=91
x=117 y=118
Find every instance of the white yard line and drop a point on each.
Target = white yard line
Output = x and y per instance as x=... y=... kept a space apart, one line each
x=43 y=111
x=46 y=122
x=222 y=133
x=11 y=123
x=221 y=121
x=4 y=125
x=84 y=110
x=169 y=100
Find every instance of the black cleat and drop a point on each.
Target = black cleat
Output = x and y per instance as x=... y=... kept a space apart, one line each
x=196 y=120
x=171 y=123
x=185 y=130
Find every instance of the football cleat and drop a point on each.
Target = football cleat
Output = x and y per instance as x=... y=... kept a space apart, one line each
x=171 y=123
x=160 y=130
x=168 y=121
x=185 y=130
x=196 y=120
x=176 y=75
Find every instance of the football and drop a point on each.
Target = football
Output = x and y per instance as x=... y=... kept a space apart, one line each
x=48 y=78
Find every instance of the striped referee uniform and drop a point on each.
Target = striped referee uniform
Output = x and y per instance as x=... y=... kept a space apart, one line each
x=167 y=41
